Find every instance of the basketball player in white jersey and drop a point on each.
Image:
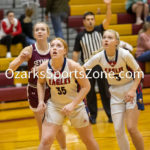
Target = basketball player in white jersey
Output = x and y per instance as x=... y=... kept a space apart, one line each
x=35 y=55
x=114 y=61
x=66 y=98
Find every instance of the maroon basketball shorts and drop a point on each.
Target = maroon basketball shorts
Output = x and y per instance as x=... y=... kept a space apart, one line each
x=33 y=96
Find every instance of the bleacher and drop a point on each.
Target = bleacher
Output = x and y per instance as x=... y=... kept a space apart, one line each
x=14 y=99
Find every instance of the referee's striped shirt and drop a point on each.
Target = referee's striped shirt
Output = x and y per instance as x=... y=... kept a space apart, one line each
x=89 y=42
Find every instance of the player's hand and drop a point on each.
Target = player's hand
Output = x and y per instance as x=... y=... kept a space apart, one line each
x=41 y=107
x=107 y=2
x=130 y=96
x=68 y=109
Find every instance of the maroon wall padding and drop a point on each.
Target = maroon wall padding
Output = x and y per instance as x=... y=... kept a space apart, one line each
x=125 y=18
x=75 y=21
x=13 y=93
x=146 y=80
x=136 y=28
x=4 y=81
x=1 y=14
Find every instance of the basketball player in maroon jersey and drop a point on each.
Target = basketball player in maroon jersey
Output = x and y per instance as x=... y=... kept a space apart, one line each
x=35 y=55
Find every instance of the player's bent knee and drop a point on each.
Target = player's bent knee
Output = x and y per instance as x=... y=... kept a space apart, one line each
x=132 y=129
x=88 y=140
x=47 y=140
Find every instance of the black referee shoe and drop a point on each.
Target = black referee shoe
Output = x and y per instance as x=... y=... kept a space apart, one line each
x=110 y=120
x=92 y=120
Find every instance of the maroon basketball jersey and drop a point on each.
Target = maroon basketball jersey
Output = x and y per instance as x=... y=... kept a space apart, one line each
x=36 y=60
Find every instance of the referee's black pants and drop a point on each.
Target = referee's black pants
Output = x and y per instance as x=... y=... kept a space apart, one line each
x=103 y=90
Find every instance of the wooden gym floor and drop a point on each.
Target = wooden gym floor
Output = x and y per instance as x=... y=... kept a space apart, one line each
x=23 y=134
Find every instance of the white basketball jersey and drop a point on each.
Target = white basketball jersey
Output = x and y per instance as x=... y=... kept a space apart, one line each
x=63 y=87
x=117 y=71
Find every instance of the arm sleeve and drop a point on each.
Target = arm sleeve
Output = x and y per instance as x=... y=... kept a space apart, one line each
x=7 y=31
x=18 y=29
x=77 y=45
x=131 y=62
x=95 y=60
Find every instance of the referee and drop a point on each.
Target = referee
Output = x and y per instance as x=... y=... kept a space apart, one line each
x=88 y=42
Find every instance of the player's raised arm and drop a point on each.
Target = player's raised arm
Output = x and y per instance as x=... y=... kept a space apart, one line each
x=107 y=20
